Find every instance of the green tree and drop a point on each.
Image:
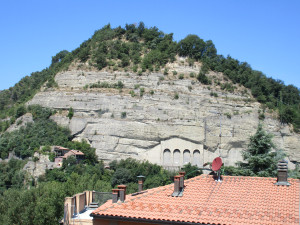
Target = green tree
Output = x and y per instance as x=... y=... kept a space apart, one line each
x=191 y=171
x=20 y=111
x=71 y=113
x=59 y=56
x=203 y=78
x=40 y=113
x=192 y=46
x=84 y=54
x=121 y=176
x=259 y=157
x=100 y=59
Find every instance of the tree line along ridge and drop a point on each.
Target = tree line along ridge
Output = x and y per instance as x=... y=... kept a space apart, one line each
x=141 y=49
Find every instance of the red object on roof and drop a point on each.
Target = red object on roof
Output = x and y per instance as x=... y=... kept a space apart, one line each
x=216 y=164
x=235 y=200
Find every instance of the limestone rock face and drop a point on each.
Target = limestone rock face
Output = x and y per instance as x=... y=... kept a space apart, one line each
x=38 y=168
x=155 y=115
x=22 y=121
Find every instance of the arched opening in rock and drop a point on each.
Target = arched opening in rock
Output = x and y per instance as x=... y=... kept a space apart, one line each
x=167 y=157
x=186 y=156
x=196 y=157
x=176 y=157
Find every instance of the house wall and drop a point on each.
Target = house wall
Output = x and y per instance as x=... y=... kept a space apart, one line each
x=70 y=208
x=89 y=197
x=80 y=202
x=81 y=222
x=58 y=160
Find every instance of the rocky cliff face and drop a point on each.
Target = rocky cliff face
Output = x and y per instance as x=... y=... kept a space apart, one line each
x=161 y=118
x=38 y=168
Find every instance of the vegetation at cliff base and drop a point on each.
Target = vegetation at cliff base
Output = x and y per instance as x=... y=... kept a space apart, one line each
x=29 y=138
x=43 y=202
x=41 y=132
x=12 y=175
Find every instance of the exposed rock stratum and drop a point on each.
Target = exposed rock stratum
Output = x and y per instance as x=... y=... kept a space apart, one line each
x=174 y=121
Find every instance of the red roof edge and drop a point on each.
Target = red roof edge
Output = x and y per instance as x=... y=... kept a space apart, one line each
x=152 y=221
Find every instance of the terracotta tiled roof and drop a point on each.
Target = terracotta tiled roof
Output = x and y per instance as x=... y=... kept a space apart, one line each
x=61 y=148
x=77 y=152
x=73 y=152
x=235 y=200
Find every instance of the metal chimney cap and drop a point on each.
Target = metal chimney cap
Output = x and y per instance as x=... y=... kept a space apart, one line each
x=282 y=164
x=282 y=173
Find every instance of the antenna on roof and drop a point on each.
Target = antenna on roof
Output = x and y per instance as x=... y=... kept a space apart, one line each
x=216 y=166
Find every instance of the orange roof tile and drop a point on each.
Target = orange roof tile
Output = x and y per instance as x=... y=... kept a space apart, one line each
x=235 y=200
x=77 y=152
x=61 y=148
x=72 y=152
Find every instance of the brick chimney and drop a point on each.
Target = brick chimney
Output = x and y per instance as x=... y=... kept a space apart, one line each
x=140 y=182
x=181 y=183
x=176 y=186
x=115 y=195
x=282 y=173
x=122 y=192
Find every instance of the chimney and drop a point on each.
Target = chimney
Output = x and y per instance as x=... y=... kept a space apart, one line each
x=176 y=185
x=115 y=195
x=122 y=192
x=282 y=173
x=181 y=183
x=140 y=182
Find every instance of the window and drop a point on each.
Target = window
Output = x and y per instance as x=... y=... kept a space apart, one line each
x=176 y=157
x=167 y=157
x=196 y=158
x=186 y=156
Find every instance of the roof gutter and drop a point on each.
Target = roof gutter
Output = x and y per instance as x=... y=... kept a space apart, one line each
x=143 y=220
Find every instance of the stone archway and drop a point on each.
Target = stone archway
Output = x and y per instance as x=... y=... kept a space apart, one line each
x=186 y=156
x=196 y=157
x=167 y=157
x=176 y=157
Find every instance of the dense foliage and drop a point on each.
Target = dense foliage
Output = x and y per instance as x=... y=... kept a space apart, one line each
x=273 y=93
x=43 y=203
x=29 y=138
x=11 y=175
x=25 y=89
x=41 y=132
x=126 y=171
x=191 y=171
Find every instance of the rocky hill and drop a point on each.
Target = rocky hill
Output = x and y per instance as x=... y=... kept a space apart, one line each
x=166 y=117
x=135 y=92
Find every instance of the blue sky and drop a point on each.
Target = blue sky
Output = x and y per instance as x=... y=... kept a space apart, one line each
x=264 y=33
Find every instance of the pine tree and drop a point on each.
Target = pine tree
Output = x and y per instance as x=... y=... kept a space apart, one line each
x=260 y=159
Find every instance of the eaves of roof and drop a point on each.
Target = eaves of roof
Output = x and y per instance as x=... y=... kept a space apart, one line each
x=143 y=220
